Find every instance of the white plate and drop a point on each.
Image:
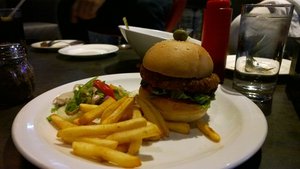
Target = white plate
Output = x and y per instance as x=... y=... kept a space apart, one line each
x=88 y=50
x=238 y=120
x=284 y=68
x=57 y=45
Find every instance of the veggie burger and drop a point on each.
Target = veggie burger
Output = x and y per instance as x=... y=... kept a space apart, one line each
x=177 y=78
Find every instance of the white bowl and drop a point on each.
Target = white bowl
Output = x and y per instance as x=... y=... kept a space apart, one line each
x=141 y=39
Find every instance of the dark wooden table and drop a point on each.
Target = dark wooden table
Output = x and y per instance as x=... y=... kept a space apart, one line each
x=281 y=148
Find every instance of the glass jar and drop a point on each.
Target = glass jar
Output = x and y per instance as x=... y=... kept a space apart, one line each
x=16 y=75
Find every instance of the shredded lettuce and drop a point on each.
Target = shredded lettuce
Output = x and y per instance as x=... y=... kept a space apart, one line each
x=201 y=99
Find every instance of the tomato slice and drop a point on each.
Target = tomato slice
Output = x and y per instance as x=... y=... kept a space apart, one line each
x=104 y=88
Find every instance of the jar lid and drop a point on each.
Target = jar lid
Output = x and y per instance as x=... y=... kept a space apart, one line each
x=9 y=51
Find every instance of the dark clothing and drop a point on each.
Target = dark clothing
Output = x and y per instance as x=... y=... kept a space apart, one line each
x=143 y=13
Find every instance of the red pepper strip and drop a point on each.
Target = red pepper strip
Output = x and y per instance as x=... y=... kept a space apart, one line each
x=104 y=88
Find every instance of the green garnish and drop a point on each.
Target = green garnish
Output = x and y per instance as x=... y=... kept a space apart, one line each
x=201 y=99
x=180 y=35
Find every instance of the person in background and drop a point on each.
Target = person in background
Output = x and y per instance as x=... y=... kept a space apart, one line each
x=77 y=17
x=294 y=30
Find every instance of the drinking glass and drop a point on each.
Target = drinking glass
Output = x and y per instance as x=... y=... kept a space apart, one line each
x=262 y=35
x=11 y=28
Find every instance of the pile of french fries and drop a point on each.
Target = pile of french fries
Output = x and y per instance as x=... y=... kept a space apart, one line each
x=114 y=131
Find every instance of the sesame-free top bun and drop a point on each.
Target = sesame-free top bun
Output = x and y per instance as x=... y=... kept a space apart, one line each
x=180 y=59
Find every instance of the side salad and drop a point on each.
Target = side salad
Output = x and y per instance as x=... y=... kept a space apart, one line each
x=94 y=91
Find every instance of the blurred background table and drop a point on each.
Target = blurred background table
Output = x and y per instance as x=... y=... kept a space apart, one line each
x=281 y=149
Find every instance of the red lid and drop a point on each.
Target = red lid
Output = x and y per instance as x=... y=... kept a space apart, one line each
x=218 y=4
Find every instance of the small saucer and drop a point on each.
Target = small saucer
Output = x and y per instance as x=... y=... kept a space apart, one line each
x=88 y=50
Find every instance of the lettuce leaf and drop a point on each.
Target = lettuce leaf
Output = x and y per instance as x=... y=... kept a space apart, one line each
x=201 y=99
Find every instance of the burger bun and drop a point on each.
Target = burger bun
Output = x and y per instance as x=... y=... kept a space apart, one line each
x=180 y=59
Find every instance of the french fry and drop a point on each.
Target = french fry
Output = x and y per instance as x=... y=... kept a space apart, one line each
x=152 y=114
x=179 y=127
x=89 y=116
x=59 y=122
x=154 y=138
x=119 y=112
x=83 y=149
x=111 y=108
x=134 y=147
x=99 y=141
x=76 y=121
x=136 y=112
x=123 y=148
x=113 y=156
x=208 y=131
x=87 y=107
x=68 y=135
x=127 y=136
x=127 y=114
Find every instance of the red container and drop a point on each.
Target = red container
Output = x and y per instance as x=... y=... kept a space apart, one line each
x=215 y=33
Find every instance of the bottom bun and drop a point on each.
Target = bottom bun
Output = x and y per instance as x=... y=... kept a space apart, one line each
x=173 y=110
